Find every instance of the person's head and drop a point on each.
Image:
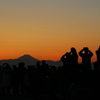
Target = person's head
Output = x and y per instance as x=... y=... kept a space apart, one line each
x=6 y=67
x=43 y=61
x=73 y=50
x=86 y=49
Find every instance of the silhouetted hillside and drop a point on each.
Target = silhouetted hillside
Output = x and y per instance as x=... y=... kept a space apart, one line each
x=28 y=60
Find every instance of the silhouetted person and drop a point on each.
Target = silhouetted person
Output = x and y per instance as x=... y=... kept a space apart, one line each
x=38 y=66
x=6 y=79
x=32 y=74
x=39 y=78
x=97 y=63
x=15 y=80
x=0 y=79
x=66 y=60
x=52 y=82
x=21 y=78
x=43 y=62
x=86 y=55
x=73 y=59
x=29 y=81
x=69 y=66
x=96 y=75
x=98 y=54
x=44 y=77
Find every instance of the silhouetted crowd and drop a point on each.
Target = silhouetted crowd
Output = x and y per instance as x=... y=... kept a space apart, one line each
x=72 y=81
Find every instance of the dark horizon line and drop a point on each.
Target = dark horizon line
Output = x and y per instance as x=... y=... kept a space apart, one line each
x=30 y=56
x=37 y=59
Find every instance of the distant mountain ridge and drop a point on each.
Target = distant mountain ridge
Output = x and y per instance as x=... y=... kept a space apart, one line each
x=29 y=60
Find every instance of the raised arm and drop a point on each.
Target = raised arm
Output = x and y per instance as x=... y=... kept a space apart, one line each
x=62 y=58
x=91 y=54
x=81 y=52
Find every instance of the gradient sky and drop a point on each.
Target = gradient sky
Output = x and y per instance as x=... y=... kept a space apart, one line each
x=46 y=29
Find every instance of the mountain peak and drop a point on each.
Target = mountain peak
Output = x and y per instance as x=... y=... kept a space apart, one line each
x=26 y=56
x=29 y=60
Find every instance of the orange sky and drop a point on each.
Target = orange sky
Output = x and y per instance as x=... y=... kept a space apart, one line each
x=46 y=29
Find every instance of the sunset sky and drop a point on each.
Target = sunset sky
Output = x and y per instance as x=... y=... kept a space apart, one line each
x=47 y=29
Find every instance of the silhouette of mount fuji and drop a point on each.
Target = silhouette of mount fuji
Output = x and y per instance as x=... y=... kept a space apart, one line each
x=27 y=57
x=29 y=60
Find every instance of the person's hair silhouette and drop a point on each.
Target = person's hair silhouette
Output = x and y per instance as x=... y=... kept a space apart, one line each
x=86 y=55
